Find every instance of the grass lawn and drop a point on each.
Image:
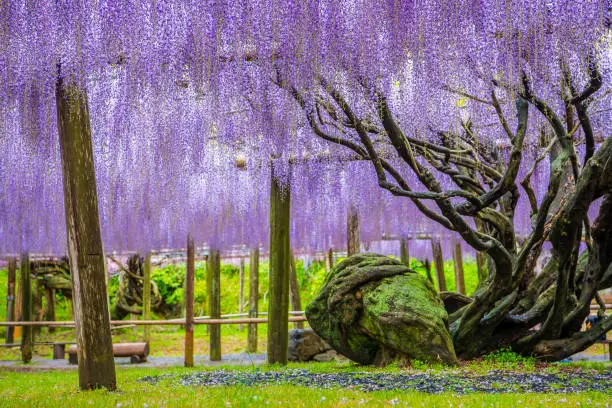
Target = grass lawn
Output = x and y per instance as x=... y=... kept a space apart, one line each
x=58 y=388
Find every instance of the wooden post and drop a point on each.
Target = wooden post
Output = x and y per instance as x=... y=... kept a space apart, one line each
x=458 y=261
x=87 y=270
x=25 y=285
x=436 y=250
x=253 y=299
x=294 y=291
x=352 y=228
x=404 y=252
x=329 y=260
x=50 y=307
x=278 y=307
x=146 y=296
x=213 y=269
x=189 y=296
x=10 y=299
x=241 y=294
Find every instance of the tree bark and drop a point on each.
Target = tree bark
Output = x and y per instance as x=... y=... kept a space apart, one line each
x=294 y=286
x=436 y=250
x=253 y=300
x=352 y=228
x=10 y=299
x=96 y=364
x=25 y=284
x=278 y=308
x=189 y=298
x=213 y=269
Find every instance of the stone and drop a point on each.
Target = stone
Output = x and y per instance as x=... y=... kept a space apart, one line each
x=304 y=344
x=329 y=355
x=373 y=309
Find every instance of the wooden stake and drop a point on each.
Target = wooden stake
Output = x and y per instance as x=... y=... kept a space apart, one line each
x=10 y=299
x=294 y=291
x=25 y=285
x=241 y=294
x=96 y=363
x=458 y=261
x=404 y=252
x=253 y=300
x=436 y=250
x=189 y=296
x=352 y=228
x=146 y=296
x=213 y=269
x=278 y=307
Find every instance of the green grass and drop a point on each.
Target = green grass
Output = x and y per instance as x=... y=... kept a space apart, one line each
x=59 y=389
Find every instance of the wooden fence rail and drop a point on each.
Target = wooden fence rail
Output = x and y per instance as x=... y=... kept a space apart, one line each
x=179 y=322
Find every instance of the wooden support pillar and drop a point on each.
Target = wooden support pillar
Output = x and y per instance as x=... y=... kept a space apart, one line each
x=352 y=229
x=294 y=291
x=404 y=252
x=50 y=307
x=278 y=307
x=253 y=299
x=329 y=260
x=458 y=261
x=25 y=285
x=241 y=294
x=189 y=297
x=436 y=250
x=146 y=296
x=87 y=269
x=10 y=299
x=213 y=272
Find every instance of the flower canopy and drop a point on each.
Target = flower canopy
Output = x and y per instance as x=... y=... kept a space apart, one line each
x=188 y=112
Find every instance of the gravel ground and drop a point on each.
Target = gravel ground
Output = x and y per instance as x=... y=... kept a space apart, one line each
x=494 y=382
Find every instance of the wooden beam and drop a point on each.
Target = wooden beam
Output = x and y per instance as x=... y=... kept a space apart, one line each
x=436 y=250
x=253 y=300
x=458 y=261
x=189 y=300
x=352 y=229
x=278 y=307
x=146 y=296
x=25 y=285
x=294 y=291
x=10 y=299
x=404 y=252
x=213 y=269
x=96 y=364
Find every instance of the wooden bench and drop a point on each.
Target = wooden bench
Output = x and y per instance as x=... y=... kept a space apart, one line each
x=137 y=352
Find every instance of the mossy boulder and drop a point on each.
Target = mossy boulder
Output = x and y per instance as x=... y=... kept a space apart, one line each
x=373 y=309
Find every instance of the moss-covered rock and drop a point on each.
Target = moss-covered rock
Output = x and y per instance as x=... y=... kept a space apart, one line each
x=374 y=309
